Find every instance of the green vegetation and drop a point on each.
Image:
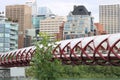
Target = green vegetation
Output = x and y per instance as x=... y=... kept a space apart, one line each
x=9 y=19
x=45 y=68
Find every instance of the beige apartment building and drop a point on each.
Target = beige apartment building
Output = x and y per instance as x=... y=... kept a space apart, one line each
x=53 y=25
x=109 y=16
x=22 y=15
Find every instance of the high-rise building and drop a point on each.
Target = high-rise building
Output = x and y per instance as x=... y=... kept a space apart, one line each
x=109 y=16
x=22 y=15
x=8 y=35
x=44 y=11
x=36 y=21
x=33 y=5
x=79 y=23
x=53 y=26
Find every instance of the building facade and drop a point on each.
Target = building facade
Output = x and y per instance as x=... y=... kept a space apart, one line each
x=36 y=21
x=22 y=15
x=8 y=35
x=52 y=26
x=79 y=23
x=109 y=16
x=99 y=29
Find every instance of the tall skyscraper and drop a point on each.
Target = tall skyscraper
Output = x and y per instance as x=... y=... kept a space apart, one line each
x=33 y=5
x=22 y=15
x=79 y=23
x=109 y=16
x=44 y=11
x=8 y=35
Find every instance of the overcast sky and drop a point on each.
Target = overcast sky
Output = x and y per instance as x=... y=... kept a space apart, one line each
x=63 y=7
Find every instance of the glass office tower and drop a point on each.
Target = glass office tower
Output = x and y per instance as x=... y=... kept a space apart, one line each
x=8 y=35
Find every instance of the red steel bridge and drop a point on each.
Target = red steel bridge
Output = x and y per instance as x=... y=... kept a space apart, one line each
x=96 y=50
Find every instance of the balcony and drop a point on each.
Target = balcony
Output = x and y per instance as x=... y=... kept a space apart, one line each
x=13 y=32
x=13 y=37
x=14 y=28
x=12 y=42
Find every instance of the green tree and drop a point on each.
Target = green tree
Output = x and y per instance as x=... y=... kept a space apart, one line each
x=43 y=65
x=9 y=19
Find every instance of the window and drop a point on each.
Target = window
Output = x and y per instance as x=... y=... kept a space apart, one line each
x=69 y=18
x=1 y=49
x=7 y=25
x=1 y=44
x=65 y=32
x=2 y=26
x=7 y=35
x=7 y=45
x=1 y=35
x=1 y=40
x=7 y=30
x=72 y=32
x=1 y=29
x=80 y=28
x=7 y=39
x=67 y=36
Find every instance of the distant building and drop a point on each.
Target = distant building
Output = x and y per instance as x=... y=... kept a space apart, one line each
x=8 y=35
x=59 y=36
x=53 y=26
x=99 y=29
x=36 y=21
x=109 y=16
x=30 y=36
x=22 y=15
x=79 y=23
x=33 y=5
x=44 y=11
